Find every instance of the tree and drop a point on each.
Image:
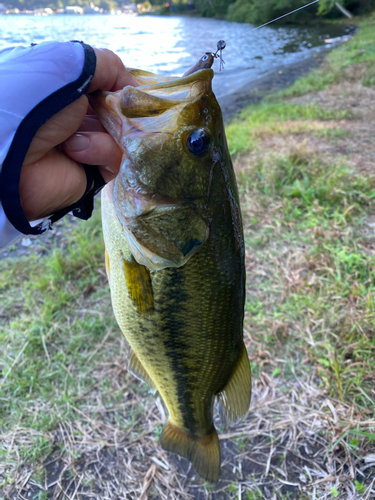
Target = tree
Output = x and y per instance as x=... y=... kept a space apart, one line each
x=354 y=6
x=253 y=11
x=213 y=8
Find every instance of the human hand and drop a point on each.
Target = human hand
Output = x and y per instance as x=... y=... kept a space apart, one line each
x=52 y=176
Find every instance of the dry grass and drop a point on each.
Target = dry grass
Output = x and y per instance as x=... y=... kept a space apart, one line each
x=280 y=448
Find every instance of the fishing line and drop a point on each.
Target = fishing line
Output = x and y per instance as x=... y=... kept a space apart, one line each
x=221 y=44
x=273 y=20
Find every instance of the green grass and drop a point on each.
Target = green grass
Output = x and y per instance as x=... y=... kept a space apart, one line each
x=254 y=495
x=270 y=117
x=311 y=285
x=305 y=201
x=58 y=313
x=303 y=182
x=313 y=201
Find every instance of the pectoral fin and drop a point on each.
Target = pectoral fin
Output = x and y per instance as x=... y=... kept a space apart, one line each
x=234 y=399
x=136 y=368
x=139 y=286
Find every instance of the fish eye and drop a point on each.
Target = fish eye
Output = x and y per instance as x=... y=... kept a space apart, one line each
x=204 y=58
x=198 y=142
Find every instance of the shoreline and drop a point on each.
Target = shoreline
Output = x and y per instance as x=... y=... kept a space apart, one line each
x=255 y=90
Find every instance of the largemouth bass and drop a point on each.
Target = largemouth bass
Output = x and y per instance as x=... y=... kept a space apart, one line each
x=175 y=256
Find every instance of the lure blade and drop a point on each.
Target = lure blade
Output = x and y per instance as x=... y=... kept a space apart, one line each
x=220 y=47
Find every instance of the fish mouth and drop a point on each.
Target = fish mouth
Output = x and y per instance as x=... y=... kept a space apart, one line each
x=181 y=89
x=149 y=109
x=162 y=228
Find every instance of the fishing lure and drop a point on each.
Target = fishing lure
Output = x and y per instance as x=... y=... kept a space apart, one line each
x=220 y=47
x=208 y=58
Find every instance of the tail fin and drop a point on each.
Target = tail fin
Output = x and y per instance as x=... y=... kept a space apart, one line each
x=203 y=453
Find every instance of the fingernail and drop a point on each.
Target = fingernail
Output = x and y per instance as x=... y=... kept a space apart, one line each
x=112 y=170
x=78 y=142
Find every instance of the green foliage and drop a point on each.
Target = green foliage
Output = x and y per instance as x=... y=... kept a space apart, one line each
x=304 y=182
x=241 y=11
x=251 y=11
x=40 y=346
x=213 y=8
x=359 y=486
x=108 y=4
x=301 y=200
x=325 y=6
x=358 y=7
x=335 y=492
x=254 y=495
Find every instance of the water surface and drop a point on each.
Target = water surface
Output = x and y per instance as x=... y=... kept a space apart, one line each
x=171 y=45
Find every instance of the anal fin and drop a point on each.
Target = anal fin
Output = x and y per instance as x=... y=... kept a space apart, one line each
x=234 y=399
x=136 y=368
x=202 y=452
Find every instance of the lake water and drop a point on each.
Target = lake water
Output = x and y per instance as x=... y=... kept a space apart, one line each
x=171 y=45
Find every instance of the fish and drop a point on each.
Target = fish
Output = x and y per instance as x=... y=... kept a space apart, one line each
x=174 y=255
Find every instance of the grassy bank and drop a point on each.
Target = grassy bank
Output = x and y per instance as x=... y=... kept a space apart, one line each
x=74 y=422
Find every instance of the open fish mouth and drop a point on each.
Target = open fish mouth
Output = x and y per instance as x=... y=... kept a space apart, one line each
x=165 y=131
x=124 y=113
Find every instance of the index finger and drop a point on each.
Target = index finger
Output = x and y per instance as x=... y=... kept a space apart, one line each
x=110 y=73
